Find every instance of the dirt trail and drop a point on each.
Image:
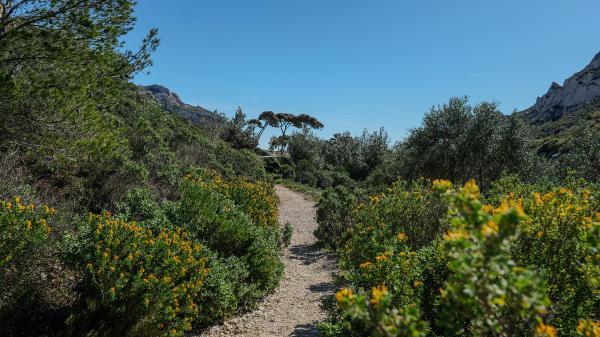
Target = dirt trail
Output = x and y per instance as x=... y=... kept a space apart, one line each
x=294 y=308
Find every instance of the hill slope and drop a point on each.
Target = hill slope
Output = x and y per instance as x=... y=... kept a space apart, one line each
x=171 y=102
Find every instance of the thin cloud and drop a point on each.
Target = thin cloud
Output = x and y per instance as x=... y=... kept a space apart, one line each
x=479 y=75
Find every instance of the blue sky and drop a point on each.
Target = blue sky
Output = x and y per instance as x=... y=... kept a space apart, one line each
x=358 y=64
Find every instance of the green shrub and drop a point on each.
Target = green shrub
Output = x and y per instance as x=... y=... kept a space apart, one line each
x=139 y=204
x=224 y=289
x=306 y=177
x=280 y=167
x=136 y=281
x=216 y=220
x=287 y=171
x=334 y=215
x=286 y=234
x=409 y=211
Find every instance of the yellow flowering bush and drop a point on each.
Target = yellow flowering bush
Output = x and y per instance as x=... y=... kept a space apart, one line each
x=526 y=264
x=256 y=199
x=561 y=237
x=22 y=227
x=403 y=218
x=374 y=312
x=486 y=289
x=137 y=280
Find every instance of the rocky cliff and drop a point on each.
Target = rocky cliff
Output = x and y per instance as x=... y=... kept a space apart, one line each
x=171 y=102
x=577 y=91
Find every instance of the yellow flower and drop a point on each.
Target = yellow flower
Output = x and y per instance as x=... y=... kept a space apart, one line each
x=418 y=283
x=29 y=225
x=366 y=265
x=487 y=208
x=471 y=189
x=588 y=328
x=489 y=228
x=501 y=301
x=377 y=293
x=343 y=294
x=441 y=185
x=381 y=257
x=455 y=235
x=401 y=237
x=543 y=330
x=565 y=191
x=537 y=197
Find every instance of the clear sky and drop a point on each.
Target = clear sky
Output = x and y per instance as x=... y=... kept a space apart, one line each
x=358 y=64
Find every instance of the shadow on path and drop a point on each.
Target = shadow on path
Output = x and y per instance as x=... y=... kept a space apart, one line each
x=305 y=330
x=323 y=287
x=307 y=254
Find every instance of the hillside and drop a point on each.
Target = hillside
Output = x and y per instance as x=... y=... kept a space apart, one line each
x=171 y=102
x=558 y=136
x=565 y=111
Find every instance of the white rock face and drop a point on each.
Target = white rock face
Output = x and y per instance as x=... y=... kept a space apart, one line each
x=577 y=90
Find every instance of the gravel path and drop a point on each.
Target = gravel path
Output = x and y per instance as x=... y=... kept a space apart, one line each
x=294 y=308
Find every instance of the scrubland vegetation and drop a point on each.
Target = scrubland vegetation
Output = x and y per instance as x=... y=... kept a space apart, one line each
x=117 y=218
x=429 y=259
x=515 y=254
x=512 y=250
x=120 y=219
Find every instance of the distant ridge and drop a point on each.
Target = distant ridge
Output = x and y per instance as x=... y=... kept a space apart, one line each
x=171 y=102
x=577 y=91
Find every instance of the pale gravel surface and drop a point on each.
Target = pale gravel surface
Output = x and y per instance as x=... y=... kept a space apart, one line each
x=294 y=308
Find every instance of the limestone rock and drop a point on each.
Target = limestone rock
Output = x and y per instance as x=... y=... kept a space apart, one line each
x=578 y=90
